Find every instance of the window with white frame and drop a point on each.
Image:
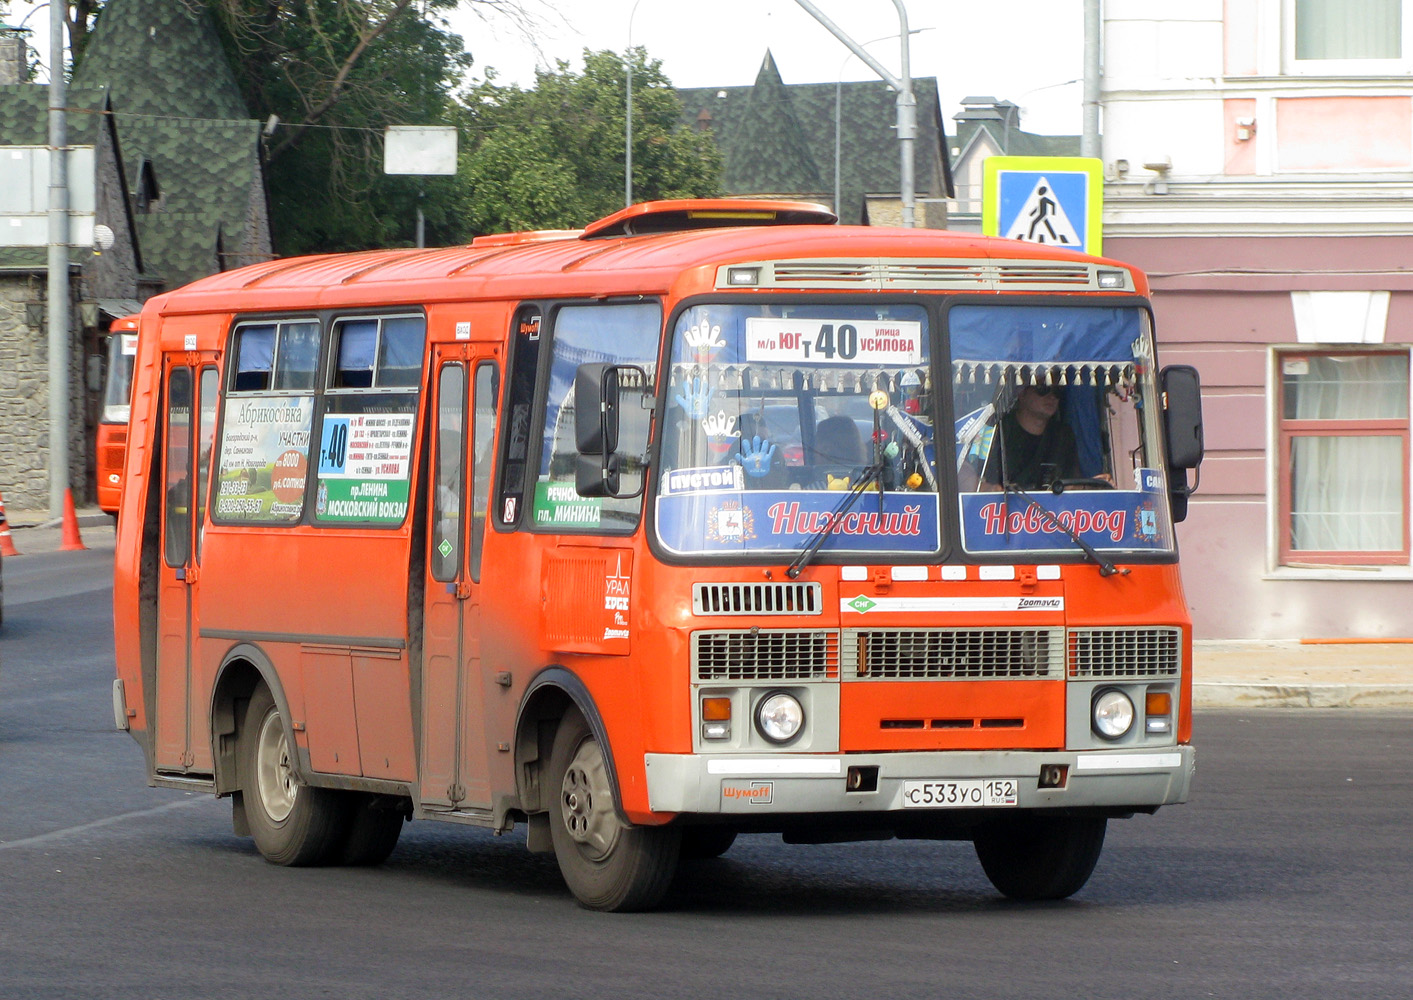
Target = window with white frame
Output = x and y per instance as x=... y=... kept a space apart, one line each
x=1346 y=36
x=1344 y=457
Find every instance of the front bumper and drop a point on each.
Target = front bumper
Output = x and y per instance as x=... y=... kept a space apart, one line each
x=758 y=784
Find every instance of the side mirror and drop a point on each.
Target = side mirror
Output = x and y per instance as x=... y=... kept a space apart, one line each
x=596 y=409
x=1182 y=416
x=598 y=395
x=1182 y=432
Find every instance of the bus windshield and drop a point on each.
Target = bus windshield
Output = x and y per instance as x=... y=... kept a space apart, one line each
x=122 y=348
x=1056 y=429
x=776 y=412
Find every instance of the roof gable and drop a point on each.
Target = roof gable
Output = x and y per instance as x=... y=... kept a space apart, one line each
x=802 y=152
x=180 y=112
x=161 y=58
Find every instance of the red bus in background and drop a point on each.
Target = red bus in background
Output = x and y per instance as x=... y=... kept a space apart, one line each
x=113 y=424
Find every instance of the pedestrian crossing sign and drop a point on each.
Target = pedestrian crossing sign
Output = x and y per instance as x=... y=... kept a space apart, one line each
x=1055 y=200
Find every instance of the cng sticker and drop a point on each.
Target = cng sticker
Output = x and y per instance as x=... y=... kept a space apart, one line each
x=862 y=604
x=444 y=548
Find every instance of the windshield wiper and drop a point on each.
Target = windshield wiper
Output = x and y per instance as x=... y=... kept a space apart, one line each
x=1106 y=566
x=871 y=475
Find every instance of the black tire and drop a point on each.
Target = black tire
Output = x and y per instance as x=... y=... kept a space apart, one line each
x=292 y=824
x=373 y=828
x=607 y=864
x=1040 y=857
x=702 y=843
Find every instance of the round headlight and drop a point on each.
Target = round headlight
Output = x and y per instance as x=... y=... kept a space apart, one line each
x=1113 y=714
x=780 y=717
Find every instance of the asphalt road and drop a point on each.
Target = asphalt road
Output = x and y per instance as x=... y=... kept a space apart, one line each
x=1287 y=875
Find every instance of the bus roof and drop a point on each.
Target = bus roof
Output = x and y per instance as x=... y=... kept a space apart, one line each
x=594 y=261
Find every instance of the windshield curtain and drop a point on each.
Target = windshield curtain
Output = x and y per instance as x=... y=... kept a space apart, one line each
x=775 y=412
x=1057 y=404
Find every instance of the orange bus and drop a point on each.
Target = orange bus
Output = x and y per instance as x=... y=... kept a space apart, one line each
x=712 y=518
x=113 y=424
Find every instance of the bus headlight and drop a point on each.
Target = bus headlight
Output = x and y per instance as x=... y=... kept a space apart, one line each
x=1113 y=714
x=780 y=717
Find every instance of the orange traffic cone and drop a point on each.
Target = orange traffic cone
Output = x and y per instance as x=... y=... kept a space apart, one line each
x=71 y=541
x=7 y=544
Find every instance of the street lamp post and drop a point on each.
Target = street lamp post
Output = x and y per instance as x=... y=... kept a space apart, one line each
x=628 y=128
x=839 y=110
x=57 y=291
x=906 y=102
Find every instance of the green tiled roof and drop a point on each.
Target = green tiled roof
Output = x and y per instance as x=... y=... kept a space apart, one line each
x=24 y=114
x=177 y=105
x=778 y=138
x=24 y=121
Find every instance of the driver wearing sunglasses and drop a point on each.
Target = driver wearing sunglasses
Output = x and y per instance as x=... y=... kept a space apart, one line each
x=1037 y=446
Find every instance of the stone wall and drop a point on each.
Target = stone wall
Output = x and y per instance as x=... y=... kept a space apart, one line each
x=24 y=399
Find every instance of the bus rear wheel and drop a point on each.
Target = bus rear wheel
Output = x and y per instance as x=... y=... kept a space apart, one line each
x=607 y=864
x=1040 y=857
x=292 y=824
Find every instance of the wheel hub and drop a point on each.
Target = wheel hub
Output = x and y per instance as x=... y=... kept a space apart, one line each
x=587 y=803
x=274 y=777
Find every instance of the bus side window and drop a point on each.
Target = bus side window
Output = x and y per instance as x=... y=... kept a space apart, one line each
x=368 y=420
x=483 y=435
x=626 y=334
x=205 y=437
x=357 y=342
x=519 y=407
x=451 y=444
x=178 y=467
x=255 y=358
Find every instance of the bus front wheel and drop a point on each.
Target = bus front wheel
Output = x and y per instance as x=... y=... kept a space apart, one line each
x=607 y=864
x=1040 y=857
x=292 y=824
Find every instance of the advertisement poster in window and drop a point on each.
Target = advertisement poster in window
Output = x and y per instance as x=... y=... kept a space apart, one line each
x=264 y=458
x=364 y=465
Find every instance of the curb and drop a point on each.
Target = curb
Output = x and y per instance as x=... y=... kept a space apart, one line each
x=85 y=519
x=1236 y=694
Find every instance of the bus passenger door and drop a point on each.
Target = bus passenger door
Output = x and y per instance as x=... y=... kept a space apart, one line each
x=454 y=767
x=190 y=424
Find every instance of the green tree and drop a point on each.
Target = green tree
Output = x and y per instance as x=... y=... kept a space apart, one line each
x=336 y=73
x=552 y=157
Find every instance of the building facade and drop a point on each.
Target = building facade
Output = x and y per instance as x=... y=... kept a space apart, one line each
x=1259 y=166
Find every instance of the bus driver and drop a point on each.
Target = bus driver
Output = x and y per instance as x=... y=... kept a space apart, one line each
x=1037 y=446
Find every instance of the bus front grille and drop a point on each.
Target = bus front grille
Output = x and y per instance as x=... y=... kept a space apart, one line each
x=953 y=654
x=1096 y=653
x=765 y=655
x=756 y=599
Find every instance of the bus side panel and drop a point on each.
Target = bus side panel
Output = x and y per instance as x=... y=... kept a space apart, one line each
x=330 y=604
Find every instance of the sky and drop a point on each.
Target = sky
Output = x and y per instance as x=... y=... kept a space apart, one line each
x=1025 y=51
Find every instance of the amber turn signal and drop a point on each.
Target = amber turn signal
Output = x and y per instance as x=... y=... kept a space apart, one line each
x=1158 y=703
x=716 y=709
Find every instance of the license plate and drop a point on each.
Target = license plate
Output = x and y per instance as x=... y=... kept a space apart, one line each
x=974 y=793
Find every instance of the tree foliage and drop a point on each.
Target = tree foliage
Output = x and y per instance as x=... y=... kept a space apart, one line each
x=336 y=73
x=552 y=157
